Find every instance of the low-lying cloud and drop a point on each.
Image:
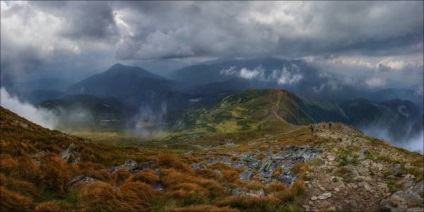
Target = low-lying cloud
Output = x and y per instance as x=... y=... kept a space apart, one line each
x=283 y=76
x=39 y=116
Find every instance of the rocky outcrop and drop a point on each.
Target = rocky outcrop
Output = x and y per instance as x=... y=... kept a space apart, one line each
x=262 y=165
x=70 y=155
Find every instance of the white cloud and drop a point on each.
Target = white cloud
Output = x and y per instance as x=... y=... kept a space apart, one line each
x=250 y=74
x=375 y=82
x=39 y=116
x=289 y=78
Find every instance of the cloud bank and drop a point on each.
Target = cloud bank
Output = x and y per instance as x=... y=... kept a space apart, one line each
x=72 y=38
x=41 y=117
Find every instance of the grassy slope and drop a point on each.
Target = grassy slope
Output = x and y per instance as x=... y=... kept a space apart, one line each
x=34 y=176
x=252 y=120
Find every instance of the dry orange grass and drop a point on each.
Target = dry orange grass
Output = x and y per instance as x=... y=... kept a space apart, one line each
x=205 y=208
x=120 y=175
x=98 y=196
x=15 y=184
x=52 y=206
x=171 y=161
x=94 y=170
x=134 y=196
x=13 y=201
x=289 y=195
x=275 y=187
x=171 y=178
x=146 y=176
x=7 y=161
x=55 y=173
x=299 y=168
x=250 y=203
x=207 y=173
x=230 y=175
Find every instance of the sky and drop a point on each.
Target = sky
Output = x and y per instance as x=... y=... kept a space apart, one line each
x=380 y=43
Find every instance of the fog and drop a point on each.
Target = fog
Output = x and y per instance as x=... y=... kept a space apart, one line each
x=414 y=142
x=39 y=116
x=147 y=122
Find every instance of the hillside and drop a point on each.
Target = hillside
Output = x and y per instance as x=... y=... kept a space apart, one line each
x=289 y=170
x=263 y=110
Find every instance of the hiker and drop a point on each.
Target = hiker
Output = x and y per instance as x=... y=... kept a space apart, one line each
x=329 y=125
x=312 y=128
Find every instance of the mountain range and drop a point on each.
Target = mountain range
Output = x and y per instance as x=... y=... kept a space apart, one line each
x=128 y=94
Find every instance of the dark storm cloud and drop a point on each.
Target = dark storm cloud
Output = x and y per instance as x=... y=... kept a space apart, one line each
x=83 y=20
x=286 y=28
x=162 y=30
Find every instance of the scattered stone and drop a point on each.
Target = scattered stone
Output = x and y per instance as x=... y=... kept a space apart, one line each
x=131 y=166
x=331 y=157
x=288 y=178
x=197 y=166
x=324 y=196
x=82 y=179
x=414 y=210
x=331 y=209
x=324 y=204
x=313 y=198
x=246 y=174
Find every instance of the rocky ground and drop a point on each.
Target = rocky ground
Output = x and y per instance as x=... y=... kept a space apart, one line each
x=346 y=171
x=355 y=175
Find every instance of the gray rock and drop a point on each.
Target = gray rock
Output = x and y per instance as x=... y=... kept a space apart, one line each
x=197 y=166
x=403 y=199
x=70 y=155
x=415 y=210
x=287 y=178
x=246 y=174
x=129 y=165
x=418 y=187
x=324 y=196
x=82 y=179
